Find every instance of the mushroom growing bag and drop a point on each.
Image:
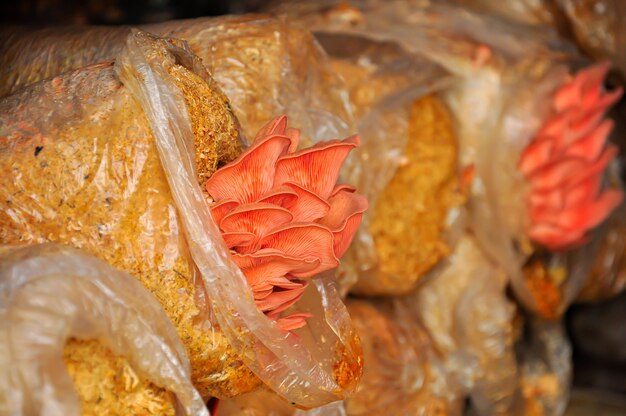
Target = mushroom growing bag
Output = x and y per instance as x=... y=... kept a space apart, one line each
x=407 y=164
x=111 y=159
x=51 y=293
x=265 y=66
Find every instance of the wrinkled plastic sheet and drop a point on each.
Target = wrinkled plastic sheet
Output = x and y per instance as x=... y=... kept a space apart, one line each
x=385 y=82
x=265 y=66
x=426 y=352
x=51 y=293
x=404 y=372
x=536 y=12
x=468 y=319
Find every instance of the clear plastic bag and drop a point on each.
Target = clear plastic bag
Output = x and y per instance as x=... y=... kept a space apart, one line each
x=406 y=165
x=141 y=208
x=265 y=66
x=51 y=293
x=468 y=319
x=528 y=11
x=403 y=374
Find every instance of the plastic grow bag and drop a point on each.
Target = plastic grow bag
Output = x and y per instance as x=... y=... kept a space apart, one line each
x=50 y=294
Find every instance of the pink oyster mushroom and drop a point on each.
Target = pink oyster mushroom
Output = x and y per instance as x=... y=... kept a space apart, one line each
x=283 y=217
x=564 y=164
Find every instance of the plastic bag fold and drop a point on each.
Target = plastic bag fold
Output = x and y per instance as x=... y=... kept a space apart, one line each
x=51 y=293
x=469 y=320
x=406 y=165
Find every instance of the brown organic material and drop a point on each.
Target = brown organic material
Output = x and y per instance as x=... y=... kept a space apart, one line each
x=545 y=284
x=391 y=348
x=410 y=217
x=598 y=27
x=85 y=171
x=110 y=375
x=607 y=277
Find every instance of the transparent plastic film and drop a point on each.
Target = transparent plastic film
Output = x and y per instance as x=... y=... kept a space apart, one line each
x=83 y=169
x=406 y=164
x=51 y=293
x=468 y=319
x=265 y=66
x=434 y=29
x=403 y=374
x=297 y=366
x=265 y=402
x=536 y=12
x=261 y=402
x=30 y=54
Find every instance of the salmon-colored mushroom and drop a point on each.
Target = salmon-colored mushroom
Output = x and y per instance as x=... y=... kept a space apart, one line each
x=564 y=164
x=283 y=216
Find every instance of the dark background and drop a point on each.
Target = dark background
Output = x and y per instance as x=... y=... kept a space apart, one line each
x=112 y=12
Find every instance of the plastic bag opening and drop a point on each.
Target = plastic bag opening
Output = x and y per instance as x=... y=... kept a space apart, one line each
x=51 y=293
